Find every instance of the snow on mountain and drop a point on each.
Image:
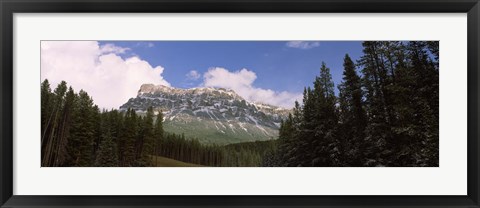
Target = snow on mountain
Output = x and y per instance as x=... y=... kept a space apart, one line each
x=213 y=115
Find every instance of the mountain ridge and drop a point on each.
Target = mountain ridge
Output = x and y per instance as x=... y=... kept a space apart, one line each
x=213 y=115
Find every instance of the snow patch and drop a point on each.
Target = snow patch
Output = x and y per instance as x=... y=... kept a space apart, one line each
x=243 y=127
x=277 y=124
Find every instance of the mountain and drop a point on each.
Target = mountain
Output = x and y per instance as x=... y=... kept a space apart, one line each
x=213 y=115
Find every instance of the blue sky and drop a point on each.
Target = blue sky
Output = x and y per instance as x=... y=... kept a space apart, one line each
x=271 y=72
x=277 y=66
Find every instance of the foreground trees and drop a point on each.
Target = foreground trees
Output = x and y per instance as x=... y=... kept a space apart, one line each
x=76 y=133
x=387 y=117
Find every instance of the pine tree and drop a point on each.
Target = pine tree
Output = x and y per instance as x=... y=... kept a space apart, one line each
x=306 y=135
x=286 y=154
x=148 y=142
x=434 y=49
x=107 y=151
x=46 y=114
x=46 y=106
x=352 y=115
x=130 y=138
x=374 y=82
x=50 y=139
x=427 y=100
x=97 y=131
x=158 y=132
x=325 y=122
x=63 y=135
x=81 y=147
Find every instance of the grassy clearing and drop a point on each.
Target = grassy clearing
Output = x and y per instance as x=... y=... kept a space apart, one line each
x=167 y=162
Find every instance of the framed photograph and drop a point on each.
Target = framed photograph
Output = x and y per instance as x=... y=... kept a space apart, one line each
x=265 y=103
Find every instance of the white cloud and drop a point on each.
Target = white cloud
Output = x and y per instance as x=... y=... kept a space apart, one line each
x=193 y=75
x=303 y=44
x=110 y=48
x=145 y=44
x=97 y=69
x=242 y=83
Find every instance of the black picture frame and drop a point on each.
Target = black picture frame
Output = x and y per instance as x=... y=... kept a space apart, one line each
x=9 y=7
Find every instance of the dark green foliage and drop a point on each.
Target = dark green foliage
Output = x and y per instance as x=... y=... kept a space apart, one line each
x=76 y=133
x=107 y=152
x=55 y=129
x=128 y=139
x=146 y=143
x=46 y=108
x=248 y=154
x=287 y=152
x=387 y=117
x=158 y=133
x=189 y=150
x=83 y=132
x=352 y=116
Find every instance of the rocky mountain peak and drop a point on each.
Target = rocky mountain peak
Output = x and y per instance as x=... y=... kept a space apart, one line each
x=152 y=90
x=212 y=114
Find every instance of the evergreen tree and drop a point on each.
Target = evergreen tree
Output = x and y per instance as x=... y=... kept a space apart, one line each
x=97 y=131
x=158 y=132
x=81 y=146
x=325 y=142
x=352 y=115
x=63 y=135
x=130 y=138
x=286 y=145
x=375 y=81
x=107 y=154
x=46 y=106
x=434 y=49
x=148 y=142
x=107 y=150
x=426 y=103
x=306 y=135
x=50 y=139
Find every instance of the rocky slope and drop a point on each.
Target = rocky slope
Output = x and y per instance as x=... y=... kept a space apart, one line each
x=213 y=115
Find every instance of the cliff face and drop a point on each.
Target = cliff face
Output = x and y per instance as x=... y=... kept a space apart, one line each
x=213 y=115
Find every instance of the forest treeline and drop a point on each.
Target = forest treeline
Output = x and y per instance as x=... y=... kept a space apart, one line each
x=75 y=133
x=245 y=154
x=386 y=116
